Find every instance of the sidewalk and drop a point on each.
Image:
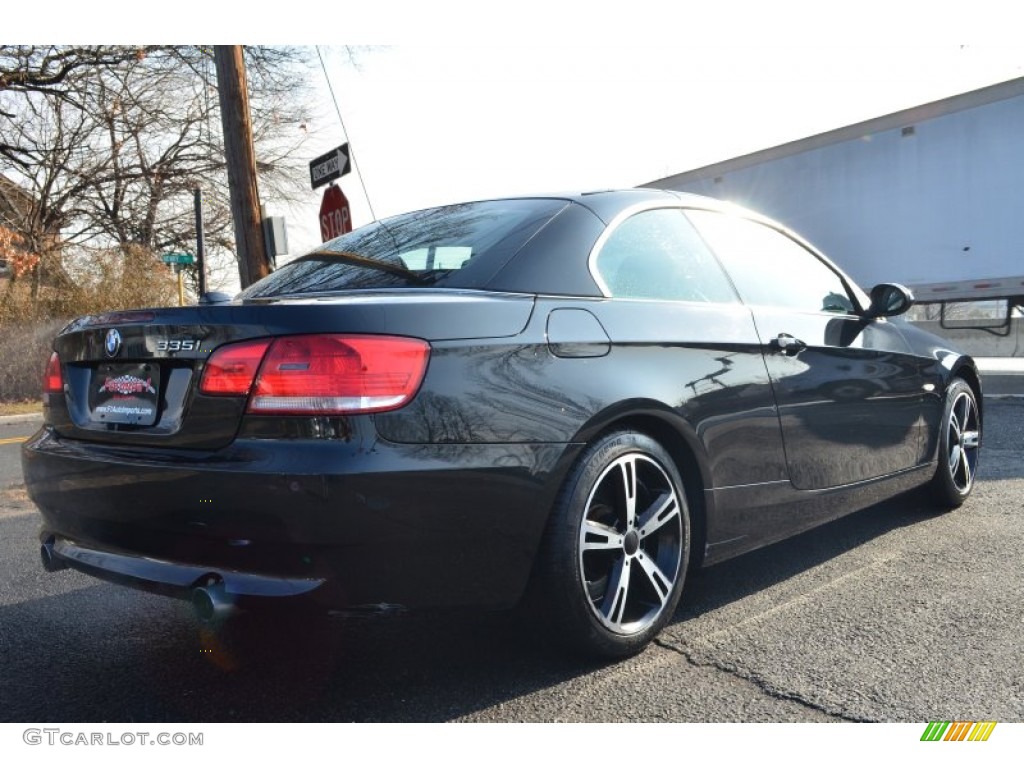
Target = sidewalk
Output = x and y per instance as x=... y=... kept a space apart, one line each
x=1010 y=365
x=1002 y=377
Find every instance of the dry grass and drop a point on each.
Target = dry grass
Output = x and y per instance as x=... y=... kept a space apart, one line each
x=28 y=324
x=24 y=350
x=20 y=407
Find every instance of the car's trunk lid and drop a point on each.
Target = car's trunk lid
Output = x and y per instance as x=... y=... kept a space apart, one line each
x=132 y=378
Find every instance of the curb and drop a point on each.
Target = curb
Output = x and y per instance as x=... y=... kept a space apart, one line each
x=20 y=418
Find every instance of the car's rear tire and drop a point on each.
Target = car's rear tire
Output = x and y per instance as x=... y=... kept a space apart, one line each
x=613 y=563
x=959 y=446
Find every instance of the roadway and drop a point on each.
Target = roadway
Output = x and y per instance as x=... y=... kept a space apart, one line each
x=891 y=614
x=13 y=432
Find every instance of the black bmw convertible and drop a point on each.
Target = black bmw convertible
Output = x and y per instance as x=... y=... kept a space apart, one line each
x=571 y=399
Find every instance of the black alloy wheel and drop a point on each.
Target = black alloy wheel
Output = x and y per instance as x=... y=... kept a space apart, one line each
x=959 y=446
x=618 y=548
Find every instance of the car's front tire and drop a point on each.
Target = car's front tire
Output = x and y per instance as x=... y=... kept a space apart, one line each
x=613 y=564
x=959 y=446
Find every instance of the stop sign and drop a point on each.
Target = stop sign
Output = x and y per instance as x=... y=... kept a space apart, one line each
x=335 y=218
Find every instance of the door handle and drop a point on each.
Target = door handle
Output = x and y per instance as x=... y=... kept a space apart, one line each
x=789 y=345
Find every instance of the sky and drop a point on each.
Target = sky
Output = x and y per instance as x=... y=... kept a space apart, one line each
x=447 y=100
x=444 y=123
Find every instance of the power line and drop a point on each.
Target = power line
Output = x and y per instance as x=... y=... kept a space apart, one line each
x=351 y=152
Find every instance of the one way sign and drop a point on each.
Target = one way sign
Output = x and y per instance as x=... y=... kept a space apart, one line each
x=329 y=167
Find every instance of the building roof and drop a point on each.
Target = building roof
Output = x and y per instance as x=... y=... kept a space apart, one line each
x=16 y=203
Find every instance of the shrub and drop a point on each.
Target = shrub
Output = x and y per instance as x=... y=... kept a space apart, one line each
x=24 y=351
x=123 y=279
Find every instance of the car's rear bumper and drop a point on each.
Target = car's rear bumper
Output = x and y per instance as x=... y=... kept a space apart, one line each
x=164 y=577
x=345 y=522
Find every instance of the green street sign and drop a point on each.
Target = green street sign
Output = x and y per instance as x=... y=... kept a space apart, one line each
x=178 y=258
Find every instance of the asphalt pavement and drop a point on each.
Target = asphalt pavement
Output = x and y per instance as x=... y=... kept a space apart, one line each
x=891 y=614
x=14 y=432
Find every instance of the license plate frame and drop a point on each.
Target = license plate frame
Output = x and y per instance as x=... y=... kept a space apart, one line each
x=125 y=393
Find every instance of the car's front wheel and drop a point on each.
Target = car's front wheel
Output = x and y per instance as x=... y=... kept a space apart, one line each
x=613 y=565
x=959 y=446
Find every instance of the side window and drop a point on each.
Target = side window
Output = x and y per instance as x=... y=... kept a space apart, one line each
x=769 y=268
x=658 y=255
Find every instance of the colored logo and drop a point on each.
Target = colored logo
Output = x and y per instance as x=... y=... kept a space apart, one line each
x=127 y=385
x=112 y=344
x=958 y=731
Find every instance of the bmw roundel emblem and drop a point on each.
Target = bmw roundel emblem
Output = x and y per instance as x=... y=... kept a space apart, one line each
x=112 y=345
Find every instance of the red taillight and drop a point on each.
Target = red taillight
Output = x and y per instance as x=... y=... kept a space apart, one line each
x=232 y=369
x=338 y=374
x=53 y=381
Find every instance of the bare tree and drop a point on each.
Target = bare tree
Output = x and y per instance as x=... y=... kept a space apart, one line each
x=110 y=142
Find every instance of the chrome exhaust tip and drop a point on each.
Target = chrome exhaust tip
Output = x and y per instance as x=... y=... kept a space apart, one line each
x=211 y=603
x=51 y=562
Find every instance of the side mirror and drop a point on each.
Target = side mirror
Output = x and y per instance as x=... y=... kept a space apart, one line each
x=889 y=299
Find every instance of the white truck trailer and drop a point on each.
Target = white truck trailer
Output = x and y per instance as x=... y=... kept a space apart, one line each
x=931 y=197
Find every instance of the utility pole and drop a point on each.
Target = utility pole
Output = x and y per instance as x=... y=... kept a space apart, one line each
x=200 y=241
x=241 y=161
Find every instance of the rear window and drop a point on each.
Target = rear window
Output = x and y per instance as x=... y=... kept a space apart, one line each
x=456 y=246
